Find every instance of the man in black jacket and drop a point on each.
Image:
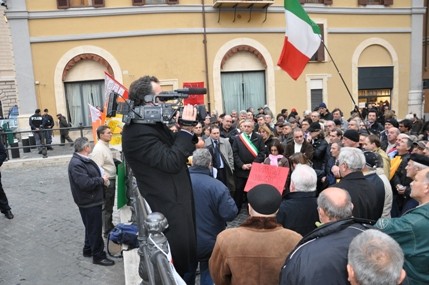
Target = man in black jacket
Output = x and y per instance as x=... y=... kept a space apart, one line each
x=364 y=198
x=158 y=159
x=247 y=148
x=86 y=185
x=301 y=199
x=315 y=260
x=48 y=123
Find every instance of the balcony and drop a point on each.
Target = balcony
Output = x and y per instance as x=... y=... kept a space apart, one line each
x=247 y=4
x=243 y=4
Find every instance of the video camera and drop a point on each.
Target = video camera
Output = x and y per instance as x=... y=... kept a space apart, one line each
x=157 y=108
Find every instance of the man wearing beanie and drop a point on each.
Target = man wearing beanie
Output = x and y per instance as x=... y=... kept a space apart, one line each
x=254 y=252
x=351 y=138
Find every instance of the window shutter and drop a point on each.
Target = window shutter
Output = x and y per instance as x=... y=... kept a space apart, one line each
x=388 y=2
x=327 y=2
x=320 y=53
x=172 y=1
x=363 y=2
x=138 y=2
x=63 y=4
x=98 y=3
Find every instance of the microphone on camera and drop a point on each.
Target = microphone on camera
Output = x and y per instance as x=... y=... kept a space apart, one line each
x=191 y=90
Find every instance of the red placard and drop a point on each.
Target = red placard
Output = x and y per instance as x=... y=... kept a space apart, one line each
x=195 y=99
x=267 y=174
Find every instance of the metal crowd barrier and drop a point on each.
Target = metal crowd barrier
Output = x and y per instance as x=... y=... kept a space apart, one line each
x=15 y=141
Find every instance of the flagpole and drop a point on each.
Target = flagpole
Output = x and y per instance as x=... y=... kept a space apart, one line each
x=345 y=85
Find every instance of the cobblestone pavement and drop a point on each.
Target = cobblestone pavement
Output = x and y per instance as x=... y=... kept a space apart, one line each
x=43 y=244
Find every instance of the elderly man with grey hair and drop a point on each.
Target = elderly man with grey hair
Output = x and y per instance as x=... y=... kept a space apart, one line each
x=315 y=260
x=351 y=162
x=298 y=210
x=375 y=258
x=87 y=187
x=213 y=208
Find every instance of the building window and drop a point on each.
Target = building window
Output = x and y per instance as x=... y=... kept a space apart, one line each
x=316 y=98
x=152 y=2
x=64 y=4
x=375 y=2
x=320 y=53
x=79 y=95
x=326 y=2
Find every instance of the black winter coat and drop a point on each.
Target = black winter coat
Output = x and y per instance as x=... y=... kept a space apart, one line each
x=363 y=194
x=243 y=156
x=321 y=256
x=86 y=182
x=298 y=212
x=158 y=161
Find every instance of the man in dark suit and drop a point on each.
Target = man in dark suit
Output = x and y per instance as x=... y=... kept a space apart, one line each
x=299 y=144
x=158 y=159
x=247 y=147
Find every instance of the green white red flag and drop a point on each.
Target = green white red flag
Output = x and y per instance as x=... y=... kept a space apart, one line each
x=302 y=39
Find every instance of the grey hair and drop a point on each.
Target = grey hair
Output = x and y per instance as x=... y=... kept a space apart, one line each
x=242 y=112
x=336 y=210
x=201 y=157
x=352 y=157
x=304 y=178
x=80 y=144
x=376 y=258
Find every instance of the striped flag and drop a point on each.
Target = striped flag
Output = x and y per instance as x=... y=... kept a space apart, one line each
x=301 y=42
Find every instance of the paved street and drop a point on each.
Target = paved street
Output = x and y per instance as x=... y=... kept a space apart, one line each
x=43 y=244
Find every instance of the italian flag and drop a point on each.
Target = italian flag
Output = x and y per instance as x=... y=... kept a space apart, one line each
x=301 y=41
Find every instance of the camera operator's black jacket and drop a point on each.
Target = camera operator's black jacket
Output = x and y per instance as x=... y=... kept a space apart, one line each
x=158 y=160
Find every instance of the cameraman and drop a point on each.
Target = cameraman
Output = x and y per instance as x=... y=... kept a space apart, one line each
x=158 y=159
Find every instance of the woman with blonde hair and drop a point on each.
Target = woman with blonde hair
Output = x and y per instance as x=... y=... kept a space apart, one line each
x=268 y=138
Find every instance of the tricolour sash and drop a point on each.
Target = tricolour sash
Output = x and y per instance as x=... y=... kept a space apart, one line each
x=248 y=144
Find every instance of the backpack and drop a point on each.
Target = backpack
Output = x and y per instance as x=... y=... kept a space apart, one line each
x=123 y=234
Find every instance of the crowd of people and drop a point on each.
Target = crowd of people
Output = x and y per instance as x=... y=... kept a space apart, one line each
x=346 y=174
x=354 y=208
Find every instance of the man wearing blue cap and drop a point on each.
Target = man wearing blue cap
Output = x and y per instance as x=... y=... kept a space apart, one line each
x=324 y=112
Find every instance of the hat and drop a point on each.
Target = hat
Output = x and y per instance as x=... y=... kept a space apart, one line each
x=293 y=110
x=420 y=144
x=264 y=199
x=372 y=159
x=352 y=135
x=322 y=105
x=337 y=122
x=314 y=127
x=420 y=158
x=392 y=121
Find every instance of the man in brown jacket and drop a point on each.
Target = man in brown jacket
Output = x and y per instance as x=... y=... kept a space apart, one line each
x=254 y=252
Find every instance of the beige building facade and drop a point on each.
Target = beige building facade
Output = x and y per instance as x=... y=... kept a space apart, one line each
x=62 y=49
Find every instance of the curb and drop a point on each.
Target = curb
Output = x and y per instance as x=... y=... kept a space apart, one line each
x=52 y=161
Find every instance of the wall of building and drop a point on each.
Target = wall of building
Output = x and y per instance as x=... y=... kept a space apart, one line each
x=168 y=41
